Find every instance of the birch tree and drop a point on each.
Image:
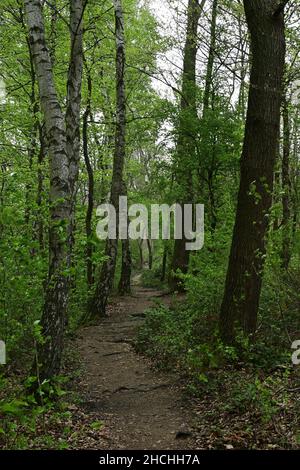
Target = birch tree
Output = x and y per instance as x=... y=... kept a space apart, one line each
x=72 y=117
x=63 y=152
x=98 y=303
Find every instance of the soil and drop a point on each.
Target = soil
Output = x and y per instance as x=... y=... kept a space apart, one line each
x=142 y=408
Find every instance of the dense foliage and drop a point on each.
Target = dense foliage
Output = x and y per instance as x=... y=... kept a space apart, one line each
x=184 y=139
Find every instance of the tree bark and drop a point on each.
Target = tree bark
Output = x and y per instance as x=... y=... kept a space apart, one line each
x=164 y=263
x=56 y=299
x=98 y=303
x=286 y=188
x=248 y=250
x=39 y=223
x=72 y=117
x=53 y=32
x=186 y=137
x=125 y=279
x=150 y=254
x=141 y=253
x=211 y=57
x=124 y=286
x=90 y=172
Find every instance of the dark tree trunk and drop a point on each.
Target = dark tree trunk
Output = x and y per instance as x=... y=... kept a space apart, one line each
x=140 y=244
x=244 y=276
x=33 y=141
x=186 y=137
x=125 y=279
x=124 y=286
x=150 y=254
x=164 y=264
x=39 y=226
x=72 y=117
x=211 y=57
x=295 y=178
x=286 y=189
x=98 y=303
x=208 y=104
x=90 y=172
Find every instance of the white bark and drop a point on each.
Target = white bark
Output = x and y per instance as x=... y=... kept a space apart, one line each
x=98 y=304
x=63 y=139
x=54 y=314
x=72 y=117
x=74 y=90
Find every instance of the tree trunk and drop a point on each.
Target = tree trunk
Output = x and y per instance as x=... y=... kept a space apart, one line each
x=90 y=172
x=150 y=254
x=72 y=117
x=243 y=68
x=33 y=143
x=53 y=31
x=208 y=104
x=125 y=279
x=98 y=303
x=244 y=276
x=295 y=177
x=211 y=57
x=140 y=244
x=164 y=263
x=39 y=225
x=186 y=137
x=286 y=189
x=56 y=299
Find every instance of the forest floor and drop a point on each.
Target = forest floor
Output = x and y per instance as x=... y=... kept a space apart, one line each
x=128 y=403
x=116 y=398
x=140 y=407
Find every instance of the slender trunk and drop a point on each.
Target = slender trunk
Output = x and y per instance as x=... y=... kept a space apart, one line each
x=90 y=172
x=208 y=104
x=211 y=58
x=38 y=139
x=39 y=226
x=72 y=117
x=186 y=137
x=243 y=69
x=140 y=244
x=2 y=197
x=53 y=32
x=286 y=188
x=125 y=279
x=164 y=264
x=277 y=186
x=98 y=303
x=246 y=262
x=150 y=255
x=295 y=177
x=212 y=201
x=33 y=142
x=56 y=299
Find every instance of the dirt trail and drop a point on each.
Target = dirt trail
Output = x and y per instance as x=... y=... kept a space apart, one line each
x=142 y=408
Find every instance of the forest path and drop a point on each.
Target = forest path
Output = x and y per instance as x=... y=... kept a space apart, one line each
x=141 y=407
